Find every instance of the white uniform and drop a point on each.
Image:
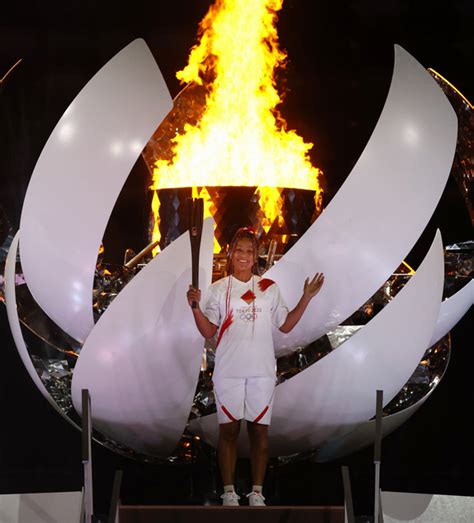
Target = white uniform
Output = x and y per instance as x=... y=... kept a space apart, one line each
x=244 y=374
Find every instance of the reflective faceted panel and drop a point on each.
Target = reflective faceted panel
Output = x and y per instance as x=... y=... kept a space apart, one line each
x=463 y=164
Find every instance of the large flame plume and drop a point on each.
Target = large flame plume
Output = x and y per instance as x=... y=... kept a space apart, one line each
x=241 y=139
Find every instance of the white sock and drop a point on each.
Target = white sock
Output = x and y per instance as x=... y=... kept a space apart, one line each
x=257 y=488
x=229 y=488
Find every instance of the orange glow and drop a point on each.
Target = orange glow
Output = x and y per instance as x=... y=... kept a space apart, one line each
x=201 y=192
x=155 y=235
x=452 y=86
x=411 y=271
x=269 y=197
x=241 y=139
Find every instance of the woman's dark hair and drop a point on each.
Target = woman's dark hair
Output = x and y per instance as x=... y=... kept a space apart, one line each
x=243 y=233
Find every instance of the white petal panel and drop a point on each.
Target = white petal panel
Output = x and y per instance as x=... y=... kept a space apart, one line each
x=78 y=178
x=452 y=310
x=12 y=313
x=364 y=434
x=380 y=211
x=338 y=392
x=141 y=361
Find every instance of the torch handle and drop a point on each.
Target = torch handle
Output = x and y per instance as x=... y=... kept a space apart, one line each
x=196 y=215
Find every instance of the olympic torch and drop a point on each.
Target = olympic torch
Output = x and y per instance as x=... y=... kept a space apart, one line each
x=195 y=214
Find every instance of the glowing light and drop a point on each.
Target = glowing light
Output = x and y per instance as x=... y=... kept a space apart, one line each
x=411 y=134
x=202 y=192
x=107 y=356
x=155 y=234
x=452 y=86
x=410 y=269
x=116 y=148
x=135 y=147
x=66 y=132
x=241 y=139
x=269 y=197
x=69 y=110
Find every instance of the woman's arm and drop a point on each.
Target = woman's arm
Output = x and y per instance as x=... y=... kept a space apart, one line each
x=205 y=327
x=311 y=288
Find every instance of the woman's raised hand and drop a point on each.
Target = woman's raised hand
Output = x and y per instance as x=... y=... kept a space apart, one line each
x=311 y=288
x=193 y=295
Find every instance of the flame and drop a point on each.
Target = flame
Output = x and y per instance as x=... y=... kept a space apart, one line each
x=269 y=197
x=241 y=139
x=155 y=235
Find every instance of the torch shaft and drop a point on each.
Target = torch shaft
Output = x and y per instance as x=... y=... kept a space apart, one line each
x=196 y=215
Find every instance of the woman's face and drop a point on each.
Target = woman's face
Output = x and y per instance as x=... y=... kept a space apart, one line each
x=244 y=255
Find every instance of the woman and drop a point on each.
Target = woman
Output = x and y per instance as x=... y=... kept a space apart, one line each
x=242 y=308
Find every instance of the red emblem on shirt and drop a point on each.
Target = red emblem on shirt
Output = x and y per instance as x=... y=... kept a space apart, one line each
x=264 y=283
x=248 y=297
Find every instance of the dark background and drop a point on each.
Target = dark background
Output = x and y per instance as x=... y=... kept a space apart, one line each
x=339 y=71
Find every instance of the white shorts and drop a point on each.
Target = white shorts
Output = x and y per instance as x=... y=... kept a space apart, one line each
x=244 y=398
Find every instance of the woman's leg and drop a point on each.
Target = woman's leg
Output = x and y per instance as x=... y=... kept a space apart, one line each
x=227 y=450
x=258 y=436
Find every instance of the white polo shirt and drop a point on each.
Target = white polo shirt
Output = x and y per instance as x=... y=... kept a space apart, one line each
x=244 y=345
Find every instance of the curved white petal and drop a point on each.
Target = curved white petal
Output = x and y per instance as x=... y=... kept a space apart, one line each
x=141 y=361
x=78 y=178
x=452 y=310
x=364 y=434
x=12 y=313
x=339 y=391
x=380 y=211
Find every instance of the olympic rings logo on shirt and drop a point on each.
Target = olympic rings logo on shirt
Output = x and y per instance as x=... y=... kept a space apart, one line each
x=248 y=313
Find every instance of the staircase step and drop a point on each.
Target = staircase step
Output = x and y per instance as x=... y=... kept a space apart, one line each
x=218 y=514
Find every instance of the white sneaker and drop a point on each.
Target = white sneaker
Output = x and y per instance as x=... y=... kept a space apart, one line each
x=230 y=499
x=256 y=499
